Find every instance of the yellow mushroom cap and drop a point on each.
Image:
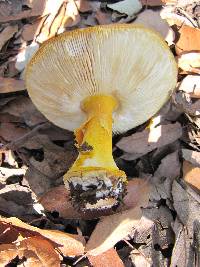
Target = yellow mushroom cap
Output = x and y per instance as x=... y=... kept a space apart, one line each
x=131 y=63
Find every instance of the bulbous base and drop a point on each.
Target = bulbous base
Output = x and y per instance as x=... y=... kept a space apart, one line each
x=96 y=189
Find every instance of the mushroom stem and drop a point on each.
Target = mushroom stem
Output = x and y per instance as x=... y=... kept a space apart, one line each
x=95 y=170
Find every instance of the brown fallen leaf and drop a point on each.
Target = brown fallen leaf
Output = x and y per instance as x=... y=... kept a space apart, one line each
x=108 y=258
x=12 y=131
x=6 y=34
x=113 y=228
x=83 y=5
x=143 y=142
x=189 y=40
x=191 y=175
x=189 y=62
x=191 y=156
x=157 y=2
x=37 y=8
x=153 y=20
x=9 y=85
x=37 y=251
x=69 y=244
x=186 y=203
x=191 y=85
x=102 y=17
x=23 y=107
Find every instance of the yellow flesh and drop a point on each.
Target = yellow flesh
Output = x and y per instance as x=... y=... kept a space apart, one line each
x=94 y=137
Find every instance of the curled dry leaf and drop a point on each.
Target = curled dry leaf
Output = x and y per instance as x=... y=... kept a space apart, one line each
x=108 y=258
x=191 y=85
x=152 y=2
x=69 y=244
x=153 y=20
x=10 y=85
x=128 y=7
x=143 y=142
x=113 y=228
x=190 y=62
x=6 y=34
x=191 y=175
x=189 y=39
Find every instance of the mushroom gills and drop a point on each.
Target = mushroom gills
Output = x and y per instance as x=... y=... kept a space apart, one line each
x=94 y=179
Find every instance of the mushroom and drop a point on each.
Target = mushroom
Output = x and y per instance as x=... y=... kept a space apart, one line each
x=93 y=81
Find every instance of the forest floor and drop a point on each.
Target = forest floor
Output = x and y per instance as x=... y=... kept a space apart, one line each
x=38 y=224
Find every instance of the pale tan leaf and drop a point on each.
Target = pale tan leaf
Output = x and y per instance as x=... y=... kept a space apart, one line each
x=115 y=227
x=191 y=85
x=10 y=85
x=191 y=175
x=6 y=34
x=190 y=62
x=108 y=258
x=128 y=7
x=189 y=39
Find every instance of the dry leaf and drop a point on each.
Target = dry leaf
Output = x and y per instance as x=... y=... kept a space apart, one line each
x=83 y=5
x=189 y=40
x=143 y=142
x=23 y=108
x=191 y=175
x=6 y=34
x=191 y=85
x=69 y=244
x=37 y=251
x=128 y=7
x=191 y=156
x=190 y=62
x=113 y=228
x=153 y=20
x=9 y=85
x=187 y=205
x=108 y=258
x=103 y=18
x=37 y=9
x=11 y=131
x=152 y=2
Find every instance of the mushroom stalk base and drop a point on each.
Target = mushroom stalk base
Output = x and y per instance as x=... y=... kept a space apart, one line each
x=94 y=180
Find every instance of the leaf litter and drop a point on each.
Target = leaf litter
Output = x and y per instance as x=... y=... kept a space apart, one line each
x=159 y=221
